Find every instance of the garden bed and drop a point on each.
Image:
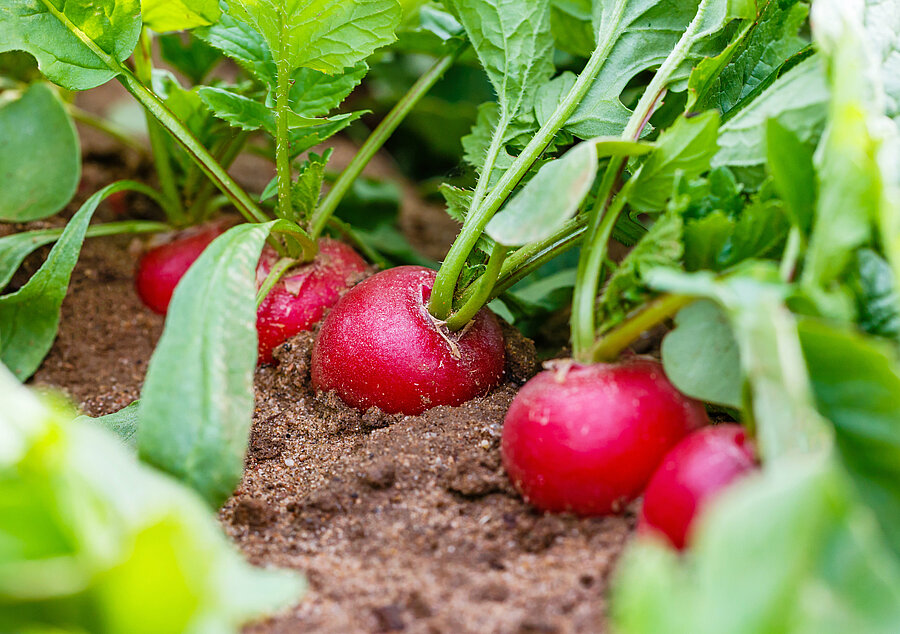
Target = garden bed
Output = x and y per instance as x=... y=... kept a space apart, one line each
x=398 y=522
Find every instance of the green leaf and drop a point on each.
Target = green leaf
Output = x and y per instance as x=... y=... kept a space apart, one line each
x=781 y=404
x=548 y=200
x=36 y=26
x=302 y=139
x=687 y=149
x=94 y=541
x=314 y=94
x=29 y=318
x=751 y=61
x=514 y=44
x=458 y=201
x=572 y=26
x=178 y=15
x=308 y=187
x=701 y=356
x=878 y=300
x=123 y=423
x=249 y=114
x=428 y=30
x=643 y=34
x=40 y=158
x=857 y=388
x=15 y=247
x=197 y=400
x=790 y=550
x=241 y=43
x=661 y=246
x=790 y=163
x=798 y=99
x=325 y=35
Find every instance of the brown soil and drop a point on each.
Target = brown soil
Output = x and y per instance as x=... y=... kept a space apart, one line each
x=399 y=523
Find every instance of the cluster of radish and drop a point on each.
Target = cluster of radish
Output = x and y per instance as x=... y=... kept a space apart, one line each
x=586 y=439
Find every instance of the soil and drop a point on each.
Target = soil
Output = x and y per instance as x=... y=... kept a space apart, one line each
x=400 y=523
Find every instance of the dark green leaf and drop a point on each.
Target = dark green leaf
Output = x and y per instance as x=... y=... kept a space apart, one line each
x=249 y=114
x=302 y=139
x=878 y=302
x=686 y=149
x=36 y=26
x=572 y=27
x=241 y=43
x=752 y=59
x=798 y=99
x=197 y=400
x=40 y=158
x=701 y=356
x=193 y=57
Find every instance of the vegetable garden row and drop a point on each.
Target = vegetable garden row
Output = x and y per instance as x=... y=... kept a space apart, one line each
x=745 y=153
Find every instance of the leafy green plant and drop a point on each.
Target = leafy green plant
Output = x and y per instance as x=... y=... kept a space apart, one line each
x=110 y=545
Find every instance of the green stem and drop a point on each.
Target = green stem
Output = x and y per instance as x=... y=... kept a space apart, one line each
x=441 y=302
x=143 y=64
x=281 y=267
x=791 y=254
x=482 y=290
x=283 y=141
x=378 y=137
x=601 y=224
x=610 y=345
x=148 y=99
x=590 y=264
x=108 y=128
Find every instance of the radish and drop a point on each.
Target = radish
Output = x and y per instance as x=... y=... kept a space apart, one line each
x=302 y=296
x=692 y=474
x=587 y=438
x=379 y=346
x=162 y=267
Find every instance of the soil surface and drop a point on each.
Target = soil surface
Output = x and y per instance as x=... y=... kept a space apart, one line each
x=401 y=523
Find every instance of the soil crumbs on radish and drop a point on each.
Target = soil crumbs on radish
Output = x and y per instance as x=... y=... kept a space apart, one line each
x=400 y=523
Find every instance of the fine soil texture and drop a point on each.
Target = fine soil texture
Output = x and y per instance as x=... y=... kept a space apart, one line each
x=400 y=523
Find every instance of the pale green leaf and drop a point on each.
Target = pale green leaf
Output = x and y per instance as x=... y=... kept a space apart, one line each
x=178 y=15
x=197 y=399
x=40 y=157
x=701 y=356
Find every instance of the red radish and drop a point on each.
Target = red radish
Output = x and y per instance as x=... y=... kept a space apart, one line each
x=587 y=438
x=302 y=296
x=161 y=268
x=690 y=475
x=380 y=346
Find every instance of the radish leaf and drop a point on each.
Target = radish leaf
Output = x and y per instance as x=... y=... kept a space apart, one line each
x=178 y=15
x=197 y=400
x=36 y=26
x=39 y=156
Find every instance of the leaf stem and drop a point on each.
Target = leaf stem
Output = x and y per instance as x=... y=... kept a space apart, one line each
x=606 y=210
x=791 y=254
x=378 y=137
x=275 y=274
x=283 y=141
x=481 y=289
x=610 y=345
x=441 y=302
x=143 y=65
x=148 y=99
